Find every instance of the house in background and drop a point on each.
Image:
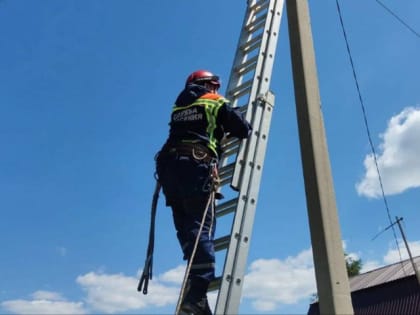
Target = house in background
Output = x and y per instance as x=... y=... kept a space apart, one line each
x=392 y=289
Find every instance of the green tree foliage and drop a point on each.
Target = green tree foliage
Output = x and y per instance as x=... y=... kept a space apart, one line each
x=353 y=265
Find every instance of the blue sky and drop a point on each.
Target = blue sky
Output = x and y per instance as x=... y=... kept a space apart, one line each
x=86 y=89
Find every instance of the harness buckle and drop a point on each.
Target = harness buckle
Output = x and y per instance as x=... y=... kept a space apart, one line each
x=197 y=155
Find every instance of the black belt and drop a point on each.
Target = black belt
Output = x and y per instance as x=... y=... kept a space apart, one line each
x=198 y=152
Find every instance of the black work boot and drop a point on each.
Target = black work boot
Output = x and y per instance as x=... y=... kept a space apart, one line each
x=194 y=301
x=199 y=308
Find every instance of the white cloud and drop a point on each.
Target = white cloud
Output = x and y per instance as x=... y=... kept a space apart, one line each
x=106 y=293
x=268 y=284
x=117 y=293
x=44 y=302
x=393 y=255
x=370 y=265
x=47 y=295
x=175 y=275
x=271 y=282
x=397 y=158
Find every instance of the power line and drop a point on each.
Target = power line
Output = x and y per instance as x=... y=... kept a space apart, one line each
x=398 y=18
x=367 y=126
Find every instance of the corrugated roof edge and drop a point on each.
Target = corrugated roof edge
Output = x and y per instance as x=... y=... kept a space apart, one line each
x=383 y=274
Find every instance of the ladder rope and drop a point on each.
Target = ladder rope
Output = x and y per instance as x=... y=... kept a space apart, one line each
x=197 y=239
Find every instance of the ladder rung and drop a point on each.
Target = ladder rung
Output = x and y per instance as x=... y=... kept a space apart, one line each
x=232 y=148
x=258 y=23
x=255 y=47
x=241 y=89
x=229 y=142
x=226 y=207
x=221 y=243
x=226 y=181
x=258 y=6
x=254 y=43
x=215 y=284
x=239 y=94
x=247 y=66
x=243 y=109
x=225 y=173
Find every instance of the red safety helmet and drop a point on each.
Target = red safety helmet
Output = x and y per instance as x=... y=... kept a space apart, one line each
x=201 y=76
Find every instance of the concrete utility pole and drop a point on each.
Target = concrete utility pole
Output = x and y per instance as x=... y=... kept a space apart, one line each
x=330 y=268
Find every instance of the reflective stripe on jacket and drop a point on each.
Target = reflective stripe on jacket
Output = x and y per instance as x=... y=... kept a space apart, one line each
x=197 y=122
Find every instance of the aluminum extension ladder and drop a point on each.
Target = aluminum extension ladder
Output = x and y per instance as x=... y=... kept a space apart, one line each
x=242 y=161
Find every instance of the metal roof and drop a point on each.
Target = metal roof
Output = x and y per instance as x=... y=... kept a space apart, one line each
x=388 y=290
x=383 y=275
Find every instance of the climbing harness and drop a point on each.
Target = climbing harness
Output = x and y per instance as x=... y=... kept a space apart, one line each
x=198 y=155
x=147 y=270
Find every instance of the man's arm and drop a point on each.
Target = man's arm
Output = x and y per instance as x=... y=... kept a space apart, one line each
x=233 y=122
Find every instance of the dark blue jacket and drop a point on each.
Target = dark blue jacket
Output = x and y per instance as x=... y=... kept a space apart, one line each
x=204 y=118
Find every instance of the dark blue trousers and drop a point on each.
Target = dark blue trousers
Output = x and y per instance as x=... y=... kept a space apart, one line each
x=186 y=184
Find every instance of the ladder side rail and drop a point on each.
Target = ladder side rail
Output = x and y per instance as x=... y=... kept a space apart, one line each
x=262 y=76
x=238 y=272
x=245 y=65
x=224 y=296
x=270 y=52
x=241 y=58
x=235 y=79
x=235 y=265
x=249 y=114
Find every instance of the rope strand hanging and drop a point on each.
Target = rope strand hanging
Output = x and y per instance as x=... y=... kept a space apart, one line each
x=148 y=265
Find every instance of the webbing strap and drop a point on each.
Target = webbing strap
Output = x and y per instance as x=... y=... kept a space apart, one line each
x=148 y=265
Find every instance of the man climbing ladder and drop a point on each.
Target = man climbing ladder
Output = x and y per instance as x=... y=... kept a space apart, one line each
x=187 y=170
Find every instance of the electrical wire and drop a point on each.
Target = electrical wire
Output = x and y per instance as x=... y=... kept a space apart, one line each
x=367 y=127
x=398 y=18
